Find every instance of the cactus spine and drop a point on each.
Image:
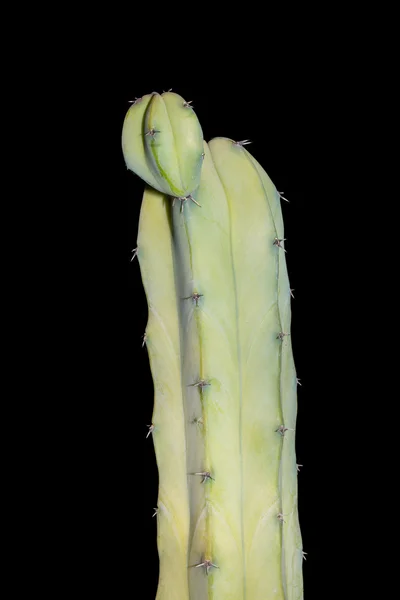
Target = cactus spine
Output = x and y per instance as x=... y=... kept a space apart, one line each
x=218 y=337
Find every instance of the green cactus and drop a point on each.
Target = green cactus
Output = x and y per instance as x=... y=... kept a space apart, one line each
x=218 y=337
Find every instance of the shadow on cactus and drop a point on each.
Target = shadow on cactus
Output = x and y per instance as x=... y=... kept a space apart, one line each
x=212 y=259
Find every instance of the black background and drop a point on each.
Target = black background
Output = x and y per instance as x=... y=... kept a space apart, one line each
x=293 y=131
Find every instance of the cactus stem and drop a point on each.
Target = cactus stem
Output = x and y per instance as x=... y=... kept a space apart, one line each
x=134 y=101
x=201 y=384
x=291 y=292
x=155 y=511
x=298 y=381
x=195 y=296
x=151 y=429
x=298 y=467
x=205 y=475
x=280 y=196
x=242 y=143
x=281 y=335
x=277 y=242
x=187 y=104
x=135 y=251
x=282 y=429
x=152 y=132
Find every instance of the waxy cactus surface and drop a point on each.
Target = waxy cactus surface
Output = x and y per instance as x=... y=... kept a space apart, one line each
x=218 y=337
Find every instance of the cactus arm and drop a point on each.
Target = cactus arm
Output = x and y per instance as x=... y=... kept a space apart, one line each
x=163 y=345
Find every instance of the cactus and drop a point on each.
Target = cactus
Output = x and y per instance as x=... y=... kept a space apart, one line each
x=218 y=338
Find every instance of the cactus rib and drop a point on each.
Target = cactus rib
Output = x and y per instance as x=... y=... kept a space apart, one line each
x=292 y=541
x=209 y=353
x=162 y=142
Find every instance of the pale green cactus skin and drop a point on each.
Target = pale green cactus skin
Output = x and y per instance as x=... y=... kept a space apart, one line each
x=162 y=142
x=244 y=519
x=163 y=345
